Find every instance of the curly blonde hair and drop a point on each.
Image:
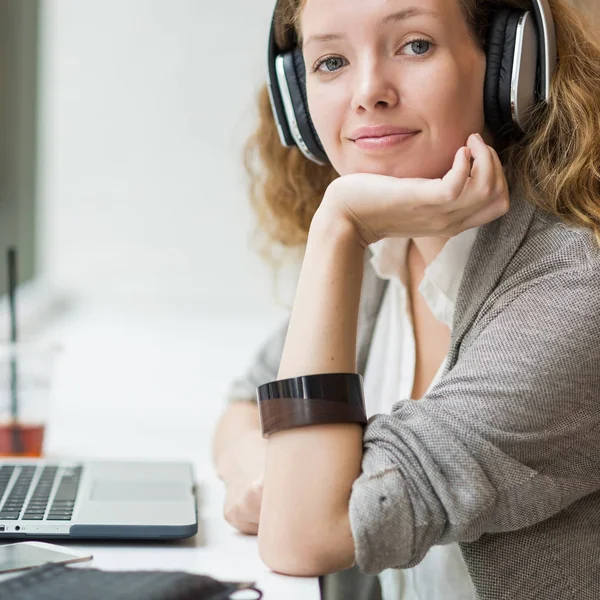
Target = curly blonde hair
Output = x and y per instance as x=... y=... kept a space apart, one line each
x=556 y=165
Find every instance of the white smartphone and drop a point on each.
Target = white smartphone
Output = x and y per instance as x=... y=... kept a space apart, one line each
x=27 y=555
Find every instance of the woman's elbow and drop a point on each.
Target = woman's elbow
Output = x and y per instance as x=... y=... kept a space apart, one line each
x=309 y=554
x=289 y=560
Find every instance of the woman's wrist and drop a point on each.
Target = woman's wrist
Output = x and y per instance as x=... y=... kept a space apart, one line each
x=332 y=225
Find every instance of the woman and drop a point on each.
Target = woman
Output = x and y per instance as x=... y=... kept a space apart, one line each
x=499 y=456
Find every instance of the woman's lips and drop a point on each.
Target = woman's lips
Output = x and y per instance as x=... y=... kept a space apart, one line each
x=384 y=141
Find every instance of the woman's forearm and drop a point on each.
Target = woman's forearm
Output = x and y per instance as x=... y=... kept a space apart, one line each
x=304 y=528
x=321 y=336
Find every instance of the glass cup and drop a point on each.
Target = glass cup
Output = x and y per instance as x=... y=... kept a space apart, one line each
x=26 y=370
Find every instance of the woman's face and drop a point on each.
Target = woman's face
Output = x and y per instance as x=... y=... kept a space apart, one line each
x=406 y=64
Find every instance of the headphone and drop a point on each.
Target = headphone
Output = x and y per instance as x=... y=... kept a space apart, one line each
x=521 y=60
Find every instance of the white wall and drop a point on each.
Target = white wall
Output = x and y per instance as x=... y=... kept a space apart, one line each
x=144 y=108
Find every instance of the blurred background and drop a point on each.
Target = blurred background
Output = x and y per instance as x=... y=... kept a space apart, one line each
x=122 y=129
x=122 y=124
x=121 y=184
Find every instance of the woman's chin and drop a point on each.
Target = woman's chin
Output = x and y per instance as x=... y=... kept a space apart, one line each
x=400 y=167
x=384 y=168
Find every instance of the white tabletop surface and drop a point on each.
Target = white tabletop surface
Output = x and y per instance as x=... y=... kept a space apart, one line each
x=150 y=385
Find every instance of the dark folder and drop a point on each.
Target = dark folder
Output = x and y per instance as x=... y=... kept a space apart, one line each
x=58 y=582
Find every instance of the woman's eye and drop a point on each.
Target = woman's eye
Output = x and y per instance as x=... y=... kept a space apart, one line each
x=332 y=64
x=419 y=47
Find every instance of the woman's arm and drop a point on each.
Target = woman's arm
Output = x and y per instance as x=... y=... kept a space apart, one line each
x=238 y=448
x=504 y=442
x=304 y=527
x=304 y=520
x=239 y=453
x=238 y=419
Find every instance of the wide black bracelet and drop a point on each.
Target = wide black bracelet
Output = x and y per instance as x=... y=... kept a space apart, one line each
x=311 y=400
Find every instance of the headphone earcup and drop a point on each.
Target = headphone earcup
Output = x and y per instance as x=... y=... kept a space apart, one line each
x=295 y=74
x=498 y=77
x=301 y=74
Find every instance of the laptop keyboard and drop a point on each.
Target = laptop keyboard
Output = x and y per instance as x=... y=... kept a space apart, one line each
x=61 y=502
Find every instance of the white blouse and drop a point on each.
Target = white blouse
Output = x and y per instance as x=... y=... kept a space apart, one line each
x=389 y=377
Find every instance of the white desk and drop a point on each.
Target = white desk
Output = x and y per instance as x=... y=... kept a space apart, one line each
x=133 y=385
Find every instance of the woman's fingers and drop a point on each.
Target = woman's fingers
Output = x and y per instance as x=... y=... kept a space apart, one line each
x=243 y=512
x=471 y=183
x=234 y=517
x=455 y=180
x=487 y=214
x=244 y=526
x=483 y=169
x=249 y=506
x=484 y=197
x=498 y=202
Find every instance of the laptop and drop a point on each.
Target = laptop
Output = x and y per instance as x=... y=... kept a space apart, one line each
x=42 y=498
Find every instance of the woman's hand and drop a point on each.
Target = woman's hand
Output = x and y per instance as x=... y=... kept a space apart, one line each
x=379 y=206
x=242 y=506
x=241 y=468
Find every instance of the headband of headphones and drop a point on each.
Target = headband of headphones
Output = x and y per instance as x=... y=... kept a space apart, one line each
x=521 y=60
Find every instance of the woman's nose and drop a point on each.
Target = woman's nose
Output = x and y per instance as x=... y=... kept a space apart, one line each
x=373 y=88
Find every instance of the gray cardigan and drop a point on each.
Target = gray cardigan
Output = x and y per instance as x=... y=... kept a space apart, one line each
x=503 y=454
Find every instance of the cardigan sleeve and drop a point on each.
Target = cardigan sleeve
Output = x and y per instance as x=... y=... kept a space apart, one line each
x=507 y=438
